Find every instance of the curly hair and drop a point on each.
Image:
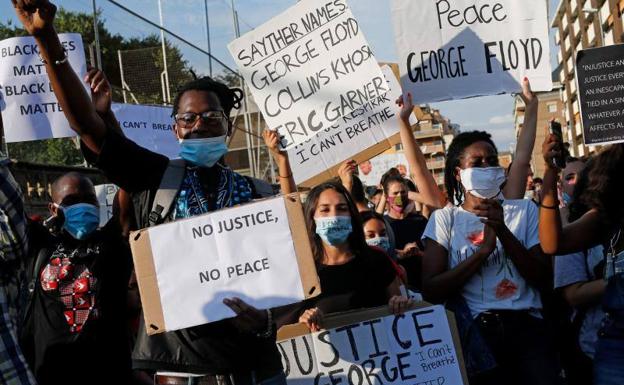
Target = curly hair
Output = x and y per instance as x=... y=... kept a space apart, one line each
x=357 y=241
x=453 y=159
x=578 y=208
x=228 y=97
x=605 y=184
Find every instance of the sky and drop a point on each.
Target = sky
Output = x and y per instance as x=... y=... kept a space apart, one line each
x=188 y=19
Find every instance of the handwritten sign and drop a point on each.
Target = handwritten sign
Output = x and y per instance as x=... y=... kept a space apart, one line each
x=415 y=348
x=148 y=126
x=372 y=170
x=308 y=67
x=600 y=78
x=454 y=49
x=30 y=110
x=259 y=252
x=105 y=194
x=364 y=133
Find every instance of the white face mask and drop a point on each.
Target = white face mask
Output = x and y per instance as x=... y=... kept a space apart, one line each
x=483 y=182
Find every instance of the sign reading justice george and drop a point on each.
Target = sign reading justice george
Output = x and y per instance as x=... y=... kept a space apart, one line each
x=259 y=252
x=308 y=67
x=600 y=78
x=370 y=347
x=455 y=49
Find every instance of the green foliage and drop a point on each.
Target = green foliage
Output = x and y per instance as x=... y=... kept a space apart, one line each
x=145 y=85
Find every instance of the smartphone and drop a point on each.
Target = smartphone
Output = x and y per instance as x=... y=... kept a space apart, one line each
x=555 y=129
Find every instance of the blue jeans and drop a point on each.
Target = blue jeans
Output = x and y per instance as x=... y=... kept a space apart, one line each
x=609 y=361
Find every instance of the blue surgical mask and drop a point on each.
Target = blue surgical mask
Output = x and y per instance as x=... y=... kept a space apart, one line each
x=567 y=199
x=333 y=231
x=81 y=219
x=203 y=152
x=381 y=242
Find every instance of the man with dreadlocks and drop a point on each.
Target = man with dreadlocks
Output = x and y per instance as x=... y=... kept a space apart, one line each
x=483 y=256
x=237 y=351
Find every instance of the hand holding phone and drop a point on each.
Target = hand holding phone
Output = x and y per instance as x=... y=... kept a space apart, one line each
x=555 y=129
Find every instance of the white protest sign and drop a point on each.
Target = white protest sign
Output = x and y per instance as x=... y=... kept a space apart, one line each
x=105 y=194
x=148 y=126
x=258 y=252
x=416 y=348
x=372 y=170
x=308 y=67
x=30 y=110
x=372 y=124
x=454 y=49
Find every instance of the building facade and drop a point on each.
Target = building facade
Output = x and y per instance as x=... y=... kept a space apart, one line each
x=581 y=24
x=550 y=107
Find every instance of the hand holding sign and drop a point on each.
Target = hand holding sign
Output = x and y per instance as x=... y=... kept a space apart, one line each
x=407 y=107
x=313 y=318
x=37 y=16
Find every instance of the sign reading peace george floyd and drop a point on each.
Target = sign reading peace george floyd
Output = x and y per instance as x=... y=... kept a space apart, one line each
x=308 y=67
x=367 y=348
x=30 y=110
x=258 y=252
x=454 y=49
x=600 y=78
x=362 y=134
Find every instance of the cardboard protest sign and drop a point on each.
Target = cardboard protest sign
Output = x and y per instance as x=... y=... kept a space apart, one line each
x=360 y=135
x=420 y=347
x=308 y=67
x=105 y=194
x=464 y=48
x=259 y=252
x=600 y=79
x=372 y=170
x=30 y=111
x=149 y=126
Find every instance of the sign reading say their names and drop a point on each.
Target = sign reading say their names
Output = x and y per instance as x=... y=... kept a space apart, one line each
x=259 y=252
x=372 y=347
x=600 y=79
x=148 y=126
x=30 y=110
x=455 y=49
x=308 y=67
x=360 y=135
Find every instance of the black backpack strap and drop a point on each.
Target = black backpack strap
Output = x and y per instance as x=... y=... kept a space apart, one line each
x=167 y=191
x=259 y=188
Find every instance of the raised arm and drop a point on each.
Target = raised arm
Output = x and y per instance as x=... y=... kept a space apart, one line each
x=517 y=178
x=421 y=176
x=555 y=239
x=286 y=179
x=37 y=16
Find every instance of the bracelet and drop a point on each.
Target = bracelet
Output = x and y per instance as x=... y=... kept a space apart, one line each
x=57 y=62
x=269 y=331
x=285 y=177
x=555 y=207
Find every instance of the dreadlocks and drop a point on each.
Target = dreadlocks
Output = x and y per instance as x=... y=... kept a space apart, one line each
x=228 y=97
x=453 y=157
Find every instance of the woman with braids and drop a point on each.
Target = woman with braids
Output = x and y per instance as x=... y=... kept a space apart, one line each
x=483 y=256
x=602 y=225
x=352 y=274
x=237 y=351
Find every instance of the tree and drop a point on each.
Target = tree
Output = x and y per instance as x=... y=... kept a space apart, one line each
x=145 y=83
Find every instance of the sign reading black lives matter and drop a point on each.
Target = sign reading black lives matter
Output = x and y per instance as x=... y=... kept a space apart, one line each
x=454 y=49
x=416 y=348
x=600 y=79
x=308 y=67
x=30 y=110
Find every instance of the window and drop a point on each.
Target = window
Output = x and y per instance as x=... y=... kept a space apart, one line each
x=552 y=107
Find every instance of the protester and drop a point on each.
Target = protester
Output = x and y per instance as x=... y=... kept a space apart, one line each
x=485 y=253
x=569 y=178
x=242 y=348
x=579 y=278
x=378 y=235
x=352 y=274
x=601 y=225
x=13 y=257
x=79 y=280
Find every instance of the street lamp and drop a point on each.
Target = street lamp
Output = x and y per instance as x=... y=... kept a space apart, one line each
x=595 y=11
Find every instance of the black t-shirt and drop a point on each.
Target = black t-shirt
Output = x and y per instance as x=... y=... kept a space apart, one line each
x=98 y=351
x=213 y=348
x=408 y=230
x=360 y=283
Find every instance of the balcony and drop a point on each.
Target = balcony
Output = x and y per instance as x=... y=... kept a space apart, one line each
x=566 y=46
x=609 y=40
x=572 y=88
x=432 y=149
x=605 y=13
x=564 y=25
x=570 y=65
x=557 y=37
x=591 y=35
x=575 y=107
x=577 y=27
x=574 y=8
x=435 y=164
